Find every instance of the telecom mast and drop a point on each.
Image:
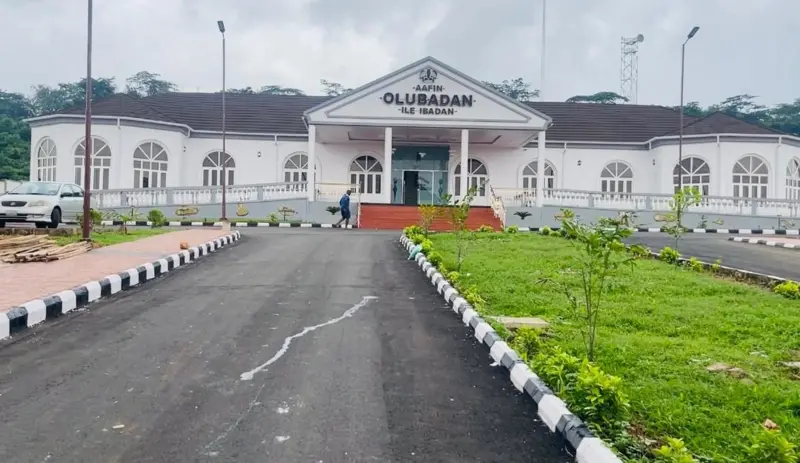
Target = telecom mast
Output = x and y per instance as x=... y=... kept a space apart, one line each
x=629 y=68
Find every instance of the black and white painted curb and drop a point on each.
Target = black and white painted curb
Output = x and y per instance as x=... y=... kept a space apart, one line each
x=38 y=310
x=552 y=410
x=145 y=223
x=766 y=242
x=719 y=231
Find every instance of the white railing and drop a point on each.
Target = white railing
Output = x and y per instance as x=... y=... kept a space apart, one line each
x=518 y=197
x=497 y=205
x=143 y=197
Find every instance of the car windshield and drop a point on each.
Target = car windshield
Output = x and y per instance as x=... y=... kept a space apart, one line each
x=36 y=188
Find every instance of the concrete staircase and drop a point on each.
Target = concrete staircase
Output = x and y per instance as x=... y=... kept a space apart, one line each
x=397 y=217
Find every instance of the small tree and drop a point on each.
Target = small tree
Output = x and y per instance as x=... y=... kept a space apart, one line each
x=680 y=203
x=601 y=256
x=458 y=211
x=131 y=216
x=428 y=213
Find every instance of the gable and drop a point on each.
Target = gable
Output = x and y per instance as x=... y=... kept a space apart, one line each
x=427 y=94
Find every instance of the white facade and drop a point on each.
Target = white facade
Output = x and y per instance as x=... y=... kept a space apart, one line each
x=484 y=126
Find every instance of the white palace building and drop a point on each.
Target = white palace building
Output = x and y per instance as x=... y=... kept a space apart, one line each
x=405 y=139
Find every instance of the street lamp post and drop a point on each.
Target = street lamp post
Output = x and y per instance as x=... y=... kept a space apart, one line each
x=224 y=157
x=88 y=145
x=680 y=136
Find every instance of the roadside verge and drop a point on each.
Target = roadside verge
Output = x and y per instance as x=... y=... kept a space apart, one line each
x=33 y=312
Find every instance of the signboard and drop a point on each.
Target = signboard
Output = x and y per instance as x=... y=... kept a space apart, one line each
x=428 y=98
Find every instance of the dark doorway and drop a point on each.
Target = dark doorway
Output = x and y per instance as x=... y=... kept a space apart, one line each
x=411 y=187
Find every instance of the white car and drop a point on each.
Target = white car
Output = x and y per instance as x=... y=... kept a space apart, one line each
x=45 y=204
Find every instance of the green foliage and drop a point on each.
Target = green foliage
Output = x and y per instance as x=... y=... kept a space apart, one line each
x=601 y=257
x=669 y=255
x=428 y=213
x=15 y=137
x=95 y=218
x=272 y=218
x=434 y=258
x=599 y=98
x=674 y=451
x=527 y=342
x=598 y=399
x=485 y=229
x=145 y=83
x=770 y=446
x=333 y=88
x=473 y=296
x=458 y=211
x=130 y=216
x=512 y=229
x=418 y=238
x=639 y=251
x=522 y=214
x=333 y=209
x=788 y=289
x=680 y=203
x=156 y=218
x=427 y=246
x=516 y=89
x=716 y=265
x=546 y=231
x=695 y=265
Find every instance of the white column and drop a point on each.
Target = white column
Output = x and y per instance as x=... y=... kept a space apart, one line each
x=387 y=164
x=312 y=161
x=540 y=170
x=464 y=162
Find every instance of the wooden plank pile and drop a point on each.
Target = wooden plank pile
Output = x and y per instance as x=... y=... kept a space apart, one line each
x=37 y=248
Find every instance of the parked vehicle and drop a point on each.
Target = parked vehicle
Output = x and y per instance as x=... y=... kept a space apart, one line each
x=45 y=204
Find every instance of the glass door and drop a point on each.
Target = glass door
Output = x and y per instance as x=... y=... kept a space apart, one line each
x=426 y=190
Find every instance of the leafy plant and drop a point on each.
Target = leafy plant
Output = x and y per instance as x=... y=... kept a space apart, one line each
x=333 y=209
x=272 y=218
x=485 y=229
x=131 y=216
x=471 y=295
x=427 y=246
x=428 y=214
x=716 y=265
x=95 y=218
x=598 y=398
x=674 y=451
x=546 y=231
x=512 y=229
x=527 y=342
x=156 y=218
x=680 y=203
x=557 y=368
x=522 y=214
x=770 y=446
x=695 y=264
x=459 y=212
x=435 y=258
x=601 y=256
x=788 y=289
x=669 y=255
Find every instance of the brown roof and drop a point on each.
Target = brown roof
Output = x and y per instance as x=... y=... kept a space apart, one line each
x=283 y=114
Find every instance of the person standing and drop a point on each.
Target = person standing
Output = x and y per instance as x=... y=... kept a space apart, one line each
x=344 y=208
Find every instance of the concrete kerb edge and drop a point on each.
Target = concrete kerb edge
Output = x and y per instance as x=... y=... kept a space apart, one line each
x=551 y=409
x=765 y=243
x=736 y=273
x=188 y=223
x=33 y=312
x=718 y=231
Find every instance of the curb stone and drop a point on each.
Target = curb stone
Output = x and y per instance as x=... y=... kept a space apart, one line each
x=552 y=410
x=146 y=223
x=719 y=231
x=764 y=242
x=33 y=312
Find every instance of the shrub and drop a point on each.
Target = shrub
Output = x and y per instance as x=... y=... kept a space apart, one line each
x=674 y=451
x=434 y=257
x=669 y=255
x=527 y=342
x=639 y=251
x=598 y=399
x=156 y=218
x=695 y=264
x=417 y=238
x=427 y=246
x=486 y=229
x=412 y=230
x=428 y=214
x=545 y=231
x=715 y=266
x=788 y=289
x=557 y=368
x=95 y=218
x=512 y=229
x=472 y=296
x=272 y=218
x=769 y=446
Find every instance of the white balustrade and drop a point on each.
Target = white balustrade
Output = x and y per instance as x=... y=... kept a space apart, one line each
x=178 y=196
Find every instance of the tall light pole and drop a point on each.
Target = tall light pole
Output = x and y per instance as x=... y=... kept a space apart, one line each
x=224 y=156
x=88 y=145
x=680 y=136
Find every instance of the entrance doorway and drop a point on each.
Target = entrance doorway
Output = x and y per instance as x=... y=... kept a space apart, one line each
x=419 y=174
x=419 y=187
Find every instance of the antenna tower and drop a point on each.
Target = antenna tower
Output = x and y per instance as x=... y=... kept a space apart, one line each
x=629 y=68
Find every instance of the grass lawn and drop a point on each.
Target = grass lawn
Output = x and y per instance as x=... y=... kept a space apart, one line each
x=110 y=236
x=659 y=329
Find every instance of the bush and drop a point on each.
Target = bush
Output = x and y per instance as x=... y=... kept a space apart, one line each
x=695 y=264
x=545 y=231
x=527 y=342
x=674 y=451
x=640 y=251
x=557 y=368
x=427 y=246
x=485 y=229
x=512 y=229
x=788 y=289
x=156 y=218
x=598 y=399
x=412 y=230
x=272 y=218
x=95 y=217
x=434 y=257
x=472 y=296
x=669 y=255
x=418 y=239
x=769 y=446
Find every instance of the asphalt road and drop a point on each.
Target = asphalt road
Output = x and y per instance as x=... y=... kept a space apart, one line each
x=155 y=374
x=784 y=263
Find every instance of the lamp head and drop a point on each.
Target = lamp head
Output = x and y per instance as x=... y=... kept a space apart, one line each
x=693 y=32
x=221 y=26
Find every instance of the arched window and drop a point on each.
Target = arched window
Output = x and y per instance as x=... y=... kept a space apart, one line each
x=616 y=177
x=294 y=169
x=212 y=169
x=366 y=172
x=793 y=179
x=478 y=176
x=694 y=173
x=46 y=161
x=150 y=163
x=529 y=176
x=101 y=164
x=750 y=177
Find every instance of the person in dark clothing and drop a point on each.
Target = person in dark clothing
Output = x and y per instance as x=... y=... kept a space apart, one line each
x=344 y=208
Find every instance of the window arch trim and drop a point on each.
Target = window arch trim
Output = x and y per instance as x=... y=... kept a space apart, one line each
x=368 y=179
x=151 y=170
x=528 y=180
x=212 y=174
x=47 y=165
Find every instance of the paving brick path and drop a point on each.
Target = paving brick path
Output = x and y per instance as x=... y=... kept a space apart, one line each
x=20 y=283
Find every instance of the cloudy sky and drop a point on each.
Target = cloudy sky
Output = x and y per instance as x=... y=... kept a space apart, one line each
x=744 y=46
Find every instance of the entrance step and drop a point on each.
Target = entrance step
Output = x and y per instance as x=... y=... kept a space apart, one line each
x=397 y=217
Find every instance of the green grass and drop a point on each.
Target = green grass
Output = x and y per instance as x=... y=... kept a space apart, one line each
x=110 y=237
x=659 y=329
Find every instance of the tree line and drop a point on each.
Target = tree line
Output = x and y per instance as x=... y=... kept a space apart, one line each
x=15 y=134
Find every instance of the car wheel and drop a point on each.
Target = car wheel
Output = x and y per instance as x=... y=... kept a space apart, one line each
x=55 y=218
x=2 y=225
x=42 y=224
